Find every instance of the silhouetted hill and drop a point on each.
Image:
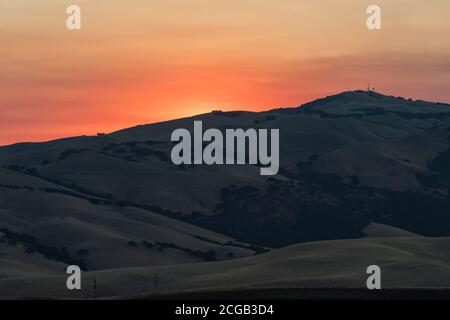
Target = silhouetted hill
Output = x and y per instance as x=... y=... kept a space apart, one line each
x=353 y=164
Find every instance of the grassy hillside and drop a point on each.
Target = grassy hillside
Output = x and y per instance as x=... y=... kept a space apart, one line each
x=419 y=263
x=352 y=165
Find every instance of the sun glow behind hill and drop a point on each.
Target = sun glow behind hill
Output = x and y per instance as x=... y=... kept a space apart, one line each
x=141 y=61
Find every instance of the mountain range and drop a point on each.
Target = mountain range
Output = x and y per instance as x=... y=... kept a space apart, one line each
x=362 y=176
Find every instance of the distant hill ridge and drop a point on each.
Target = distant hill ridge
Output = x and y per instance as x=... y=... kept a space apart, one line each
x=356 y=102
x=346 y=161
x=366 y=99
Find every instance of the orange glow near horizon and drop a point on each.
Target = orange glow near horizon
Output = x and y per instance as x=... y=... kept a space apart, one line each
x=141 y=61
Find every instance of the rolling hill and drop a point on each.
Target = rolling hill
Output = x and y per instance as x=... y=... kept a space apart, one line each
x=352 y=165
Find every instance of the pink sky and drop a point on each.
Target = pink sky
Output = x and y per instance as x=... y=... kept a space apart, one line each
x=140 y=61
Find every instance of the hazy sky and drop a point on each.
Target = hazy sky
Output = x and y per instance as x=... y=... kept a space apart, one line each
x=140 y=61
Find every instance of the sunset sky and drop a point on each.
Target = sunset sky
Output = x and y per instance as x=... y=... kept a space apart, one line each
x=141 y=61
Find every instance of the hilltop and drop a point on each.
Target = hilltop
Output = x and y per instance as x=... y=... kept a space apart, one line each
x=352 y=165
